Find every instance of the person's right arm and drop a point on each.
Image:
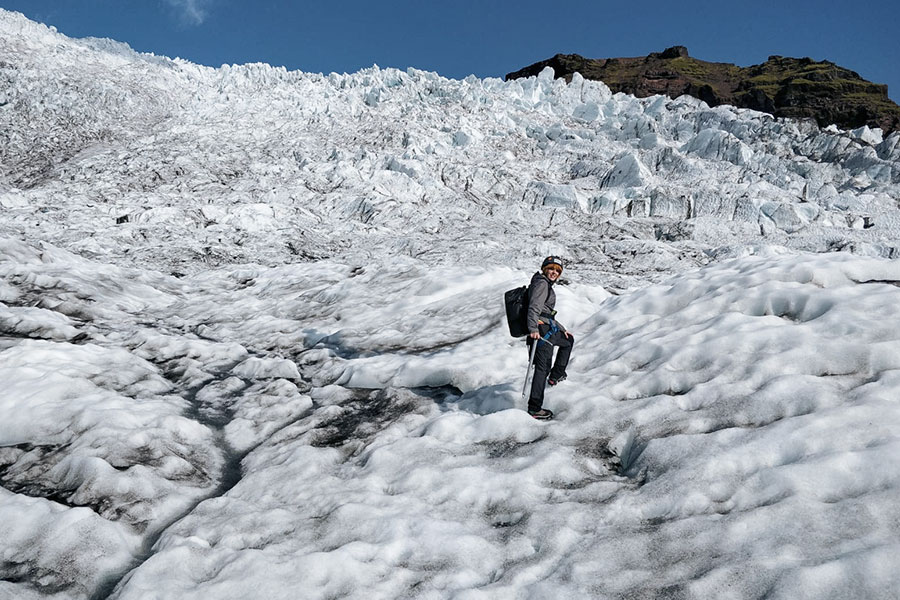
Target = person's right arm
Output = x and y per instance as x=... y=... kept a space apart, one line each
x=537 y=297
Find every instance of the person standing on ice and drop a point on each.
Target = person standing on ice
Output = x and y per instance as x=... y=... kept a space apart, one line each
x=545 y=331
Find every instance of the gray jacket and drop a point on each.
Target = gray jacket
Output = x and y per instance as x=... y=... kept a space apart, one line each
x=541 y=301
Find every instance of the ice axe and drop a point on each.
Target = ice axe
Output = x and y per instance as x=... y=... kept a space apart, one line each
x=530 y=364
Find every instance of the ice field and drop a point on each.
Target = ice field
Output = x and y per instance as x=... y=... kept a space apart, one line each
x=252 y=341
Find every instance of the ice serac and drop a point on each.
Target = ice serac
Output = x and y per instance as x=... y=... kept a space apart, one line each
x=252 y=343
x=553 y=195
x=628 y=171
x=720 y=145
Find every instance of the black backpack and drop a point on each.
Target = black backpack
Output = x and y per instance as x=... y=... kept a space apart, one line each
x=516 y=301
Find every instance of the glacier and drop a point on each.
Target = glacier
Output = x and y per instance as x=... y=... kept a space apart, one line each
x=252 y=342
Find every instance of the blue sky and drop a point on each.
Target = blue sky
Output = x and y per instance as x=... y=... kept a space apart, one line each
x=485 y=37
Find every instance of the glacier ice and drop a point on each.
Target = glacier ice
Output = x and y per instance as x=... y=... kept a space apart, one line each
x=252 y=344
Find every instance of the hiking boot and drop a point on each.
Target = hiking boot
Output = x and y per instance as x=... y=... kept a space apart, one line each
x=541 y=415
x=555 y=380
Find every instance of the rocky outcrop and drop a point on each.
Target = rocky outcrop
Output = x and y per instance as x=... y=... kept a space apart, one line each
x=781 y=86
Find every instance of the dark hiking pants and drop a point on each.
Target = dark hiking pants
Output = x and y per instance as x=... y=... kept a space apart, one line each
x=543 y=357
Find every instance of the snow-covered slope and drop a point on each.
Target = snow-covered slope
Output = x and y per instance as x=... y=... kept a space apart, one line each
x=252 y=344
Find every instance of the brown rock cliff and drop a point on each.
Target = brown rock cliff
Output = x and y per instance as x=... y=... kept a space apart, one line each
x=781 y=86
